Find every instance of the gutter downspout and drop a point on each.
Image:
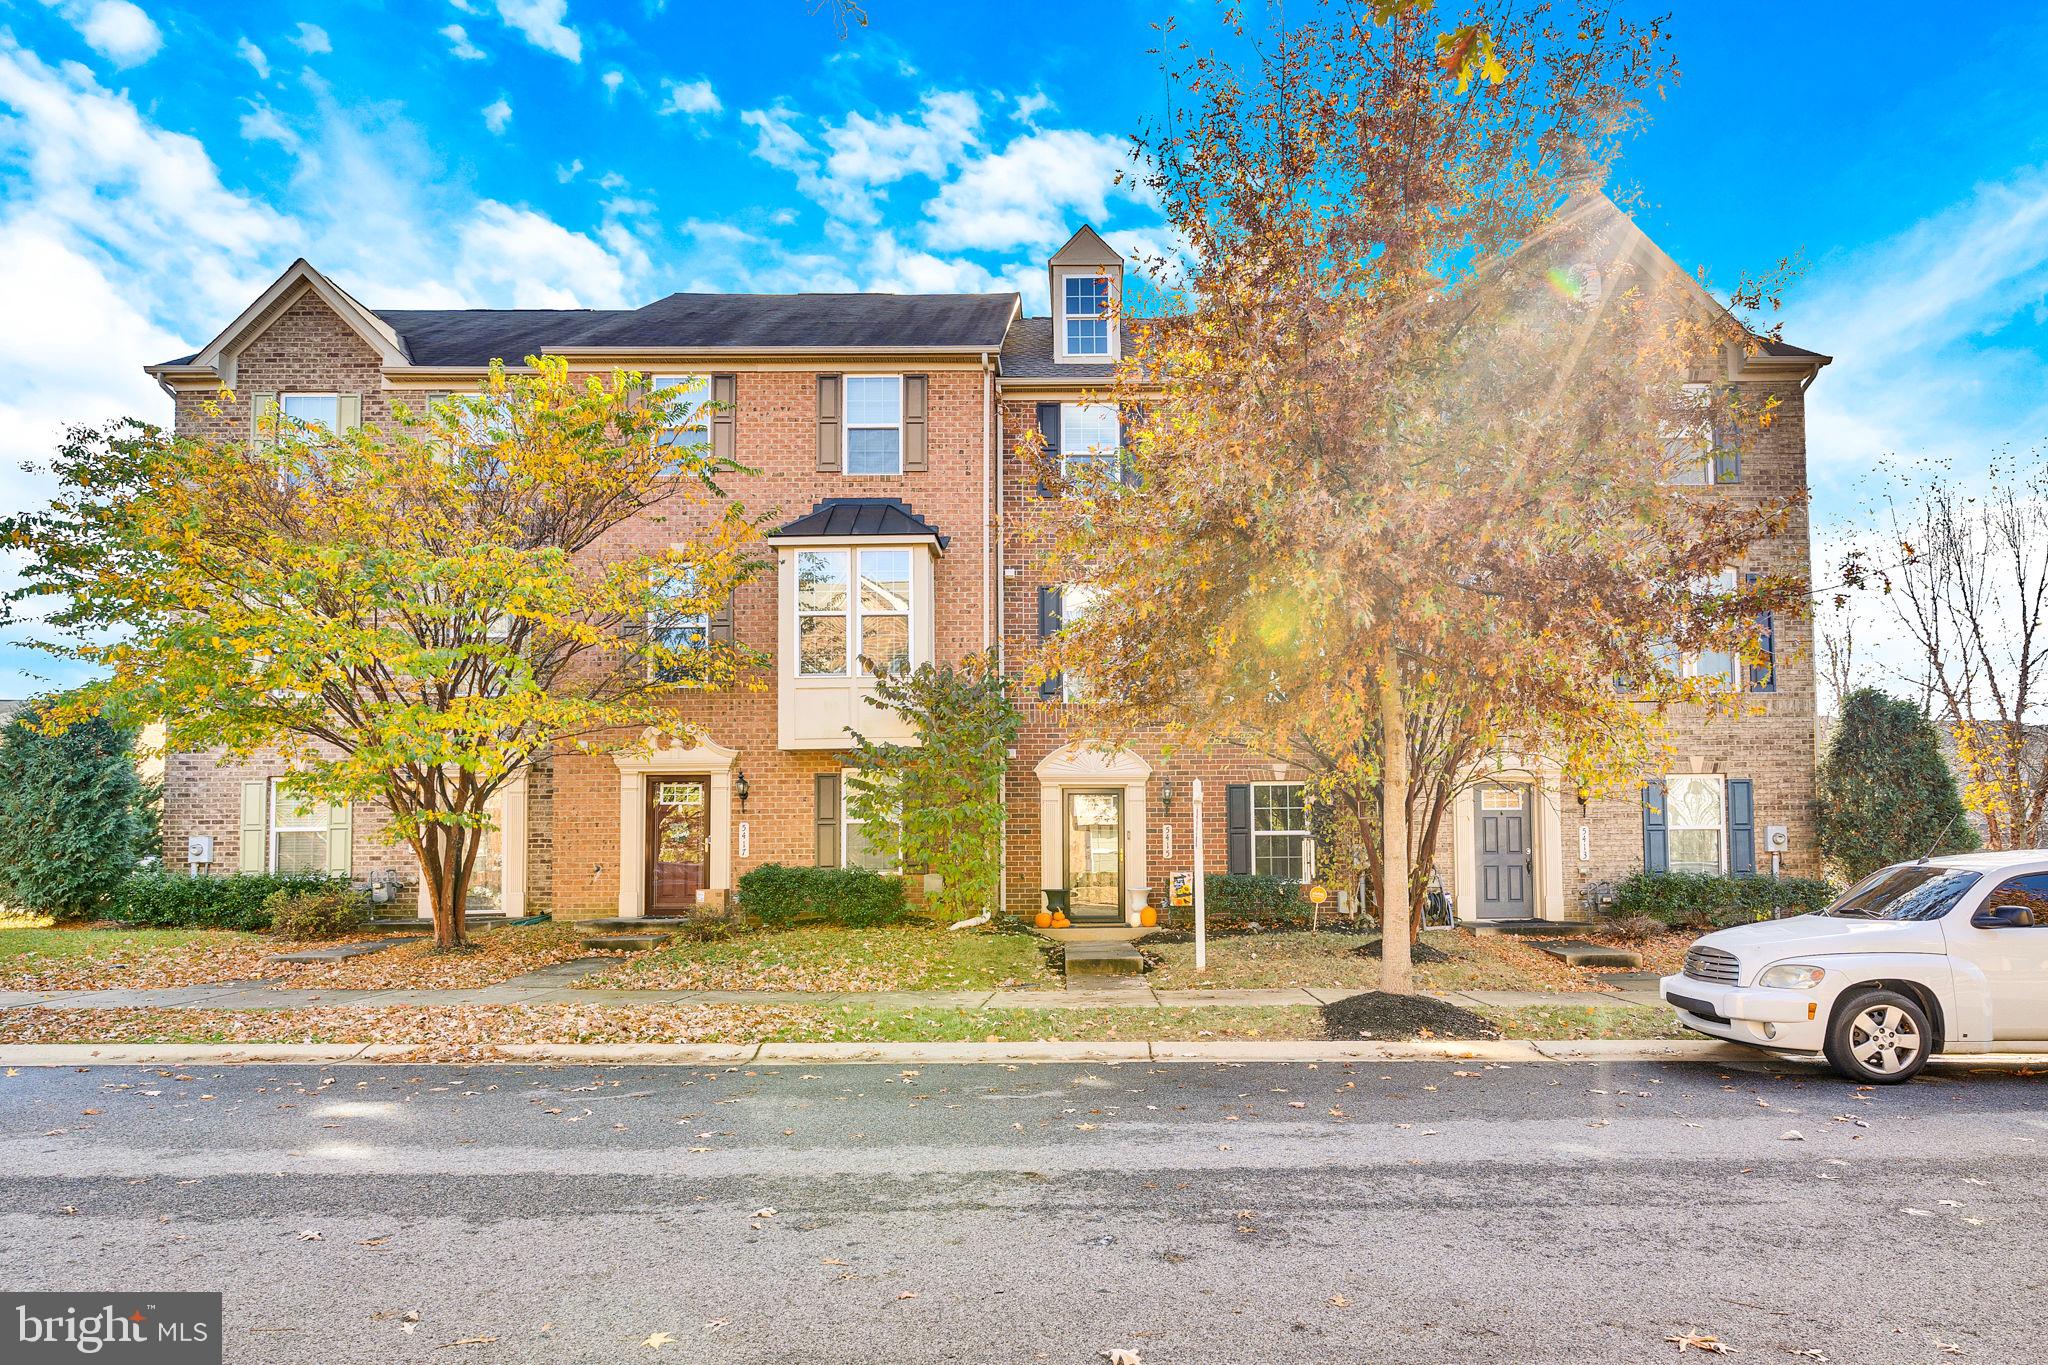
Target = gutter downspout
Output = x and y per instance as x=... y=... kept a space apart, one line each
x=991 y=615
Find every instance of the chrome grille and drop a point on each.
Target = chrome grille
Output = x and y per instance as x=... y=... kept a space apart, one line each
x=1711 y=964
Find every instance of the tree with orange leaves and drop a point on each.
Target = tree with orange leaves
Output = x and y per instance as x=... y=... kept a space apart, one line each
x=1406 y=431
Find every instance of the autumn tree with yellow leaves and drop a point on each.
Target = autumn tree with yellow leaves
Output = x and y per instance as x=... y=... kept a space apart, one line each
x=1405 y=432
x=409 y=615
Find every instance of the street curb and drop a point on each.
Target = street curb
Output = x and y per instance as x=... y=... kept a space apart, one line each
x=825 y=1054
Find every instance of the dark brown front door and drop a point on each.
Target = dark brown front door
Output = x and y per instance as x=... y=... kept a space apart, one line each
x=678 y=846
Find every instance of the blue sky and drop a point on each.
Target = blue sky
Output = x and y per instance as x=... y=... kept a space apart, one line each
x=161 y=161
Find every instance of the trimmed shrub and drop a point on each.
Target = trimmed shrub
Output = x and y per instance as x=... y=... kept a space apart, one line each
x=780 y=895
x=1886 y=794
x=1692 y=899
x=332 y=910
x=173 y=900
x=1268 y=902
x=74 y=821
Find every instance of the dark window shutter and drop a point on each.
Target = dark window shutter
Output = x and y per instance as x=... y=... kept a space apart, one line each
x=1049 y=622
x=1741 y=827
x=1656 y=839
x=1237 y=814
x=915 y=460
x=721 y=622
x=828 y=424
x=827 y=850
x=1049 y=428
x=725 y=405
x=1763 y=675
x=1130 y=419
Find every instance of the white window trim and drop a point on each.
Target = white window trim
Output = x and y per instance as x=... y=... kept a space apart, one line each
x=1061 y=275
x=847 y=822
x=701 y=426
x=1308 y=858
x=669 y=623
x=323 y=829
x=1112 y=454
x=847 y=426
x=1672 y=827
x=285 y=397
x=852 y=614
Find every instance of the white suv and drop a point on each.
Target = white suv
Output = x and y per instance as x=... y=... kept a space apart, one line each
x=1942 y=955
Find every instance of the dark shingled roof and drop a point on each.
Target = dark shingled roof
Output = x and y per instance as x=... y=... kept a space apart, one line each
x=476 y=336
x=890 y=517
x=1027 y=354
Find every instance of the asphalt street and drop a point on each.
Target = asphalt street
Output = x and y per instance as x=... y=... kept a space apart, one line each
x=1265 y=1212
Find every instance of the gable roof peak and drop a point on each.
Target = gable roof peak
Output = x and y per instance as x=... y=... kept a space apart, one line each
x=1086 y=247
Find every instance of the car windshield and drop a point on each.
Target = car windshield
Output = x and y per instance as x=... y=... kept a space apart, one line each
x=1915 y=891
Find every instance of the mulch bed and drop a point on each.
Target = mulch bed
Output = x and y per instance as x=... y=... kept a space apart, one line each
x=1381 y=1016
x=1418 y=953
x=1332 y=927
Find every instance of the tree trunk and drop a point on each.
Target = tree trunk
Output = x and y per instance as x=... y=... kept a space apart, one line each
x=442 y=870
x=1395 y=917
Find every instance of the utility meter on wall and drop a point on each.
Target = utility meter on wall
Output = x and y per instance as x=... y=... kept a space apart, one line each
x=1777 y=839
x=199 y=848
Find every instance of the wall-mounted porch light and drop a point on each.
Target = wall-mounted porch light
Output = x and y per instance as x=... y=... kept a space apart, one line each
x=742 y=789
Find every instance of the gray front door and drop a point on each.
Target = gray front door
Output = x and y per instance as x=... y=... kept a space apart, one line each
x=1507 y=861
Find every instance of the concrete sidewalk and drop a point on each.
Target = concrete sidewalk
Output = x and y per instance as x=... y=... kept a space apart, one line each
x=254 y=995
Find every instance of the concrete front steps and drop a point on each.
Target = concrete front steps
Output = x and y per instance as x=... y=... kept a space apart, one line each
x=1104 y=965
x=1577 y=952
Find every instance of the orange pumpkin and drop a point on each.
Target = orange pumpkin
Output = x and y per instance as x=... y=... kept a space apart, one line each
x=1148 y=917
x=1044 y=919
x=1059 y=919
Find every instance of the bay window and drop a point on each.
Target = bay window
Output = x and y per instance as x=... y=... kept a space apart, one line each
x=852 y=606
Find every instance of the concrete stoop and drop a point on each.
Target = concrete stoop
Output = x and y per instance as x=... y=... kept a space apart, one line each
x=1099 y=966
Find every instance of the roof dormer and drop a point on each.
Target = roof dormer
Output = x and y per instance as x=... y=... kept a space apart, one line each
x=1087 y=279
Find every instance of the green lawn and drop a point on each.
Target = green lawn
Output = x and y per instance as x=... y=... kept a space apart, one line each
x=830 y=958
x=1578 y=1022
x=862 y=1024
x=89 y=959
x=1296 y=958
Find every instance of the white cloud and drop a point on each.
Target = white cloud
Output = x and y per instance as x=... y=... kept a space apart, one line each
x=459 y=45
x=1028 y=107
x=531 y=261
x=118 y=30
x=311 y=39
x=612 y=80
x=862 y=155
x=691 y=97
x=564 y=174
x=541 y=22
x=1032 y=193
x=261 y=124
x=1935 y=334
x=253 y=55
x=498 y=114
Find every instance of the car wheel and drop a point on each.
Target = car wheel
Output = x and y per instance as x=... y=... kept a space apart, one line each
x=1879 y=1037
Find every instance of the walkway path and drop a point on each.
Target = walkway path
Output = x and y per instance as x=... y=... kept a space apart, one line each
x=552 y=986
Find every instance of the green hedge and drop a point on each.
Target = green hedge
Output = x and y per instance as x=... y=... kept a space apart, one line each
x=173 y=900
x=780 y=895
x=1692 y=898
x=1268 y=902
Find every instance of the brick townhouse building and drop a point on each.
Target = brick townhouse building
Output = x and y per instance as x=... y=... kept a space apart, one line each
x=892 y=437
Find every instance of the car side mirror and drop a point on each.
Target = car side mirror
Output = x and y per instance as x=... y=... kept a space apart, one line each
x=2003 y=917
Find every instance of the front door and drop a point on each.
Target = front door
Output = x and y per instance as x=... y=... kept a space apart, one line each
x=1095 y=856
x=1507 y=862
x=678 y=844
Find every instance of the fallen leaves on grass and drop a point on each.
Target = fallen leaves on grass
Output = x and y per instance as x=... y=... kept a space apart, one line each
x=491 y=956
x=824 y=958
x=142 y=959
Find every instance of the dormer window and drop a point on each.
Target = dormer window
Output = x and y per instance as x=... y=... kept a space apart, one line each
x=1086 y=277
x=1087 y=315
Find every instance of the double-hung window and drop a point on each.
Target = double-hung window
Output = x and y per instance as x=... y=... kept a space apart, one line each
x=687 y=395
x=675 y=624
x=855 y=849
x=874 y=424
x=1717 y=665
x=1688 y=437
x=1696 y=815
x=322 y=410
x=1090 y=440
x=1076 y=601
x=1086 y=300
x=298 y=832
x=853 y=605
x=1280 y=837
